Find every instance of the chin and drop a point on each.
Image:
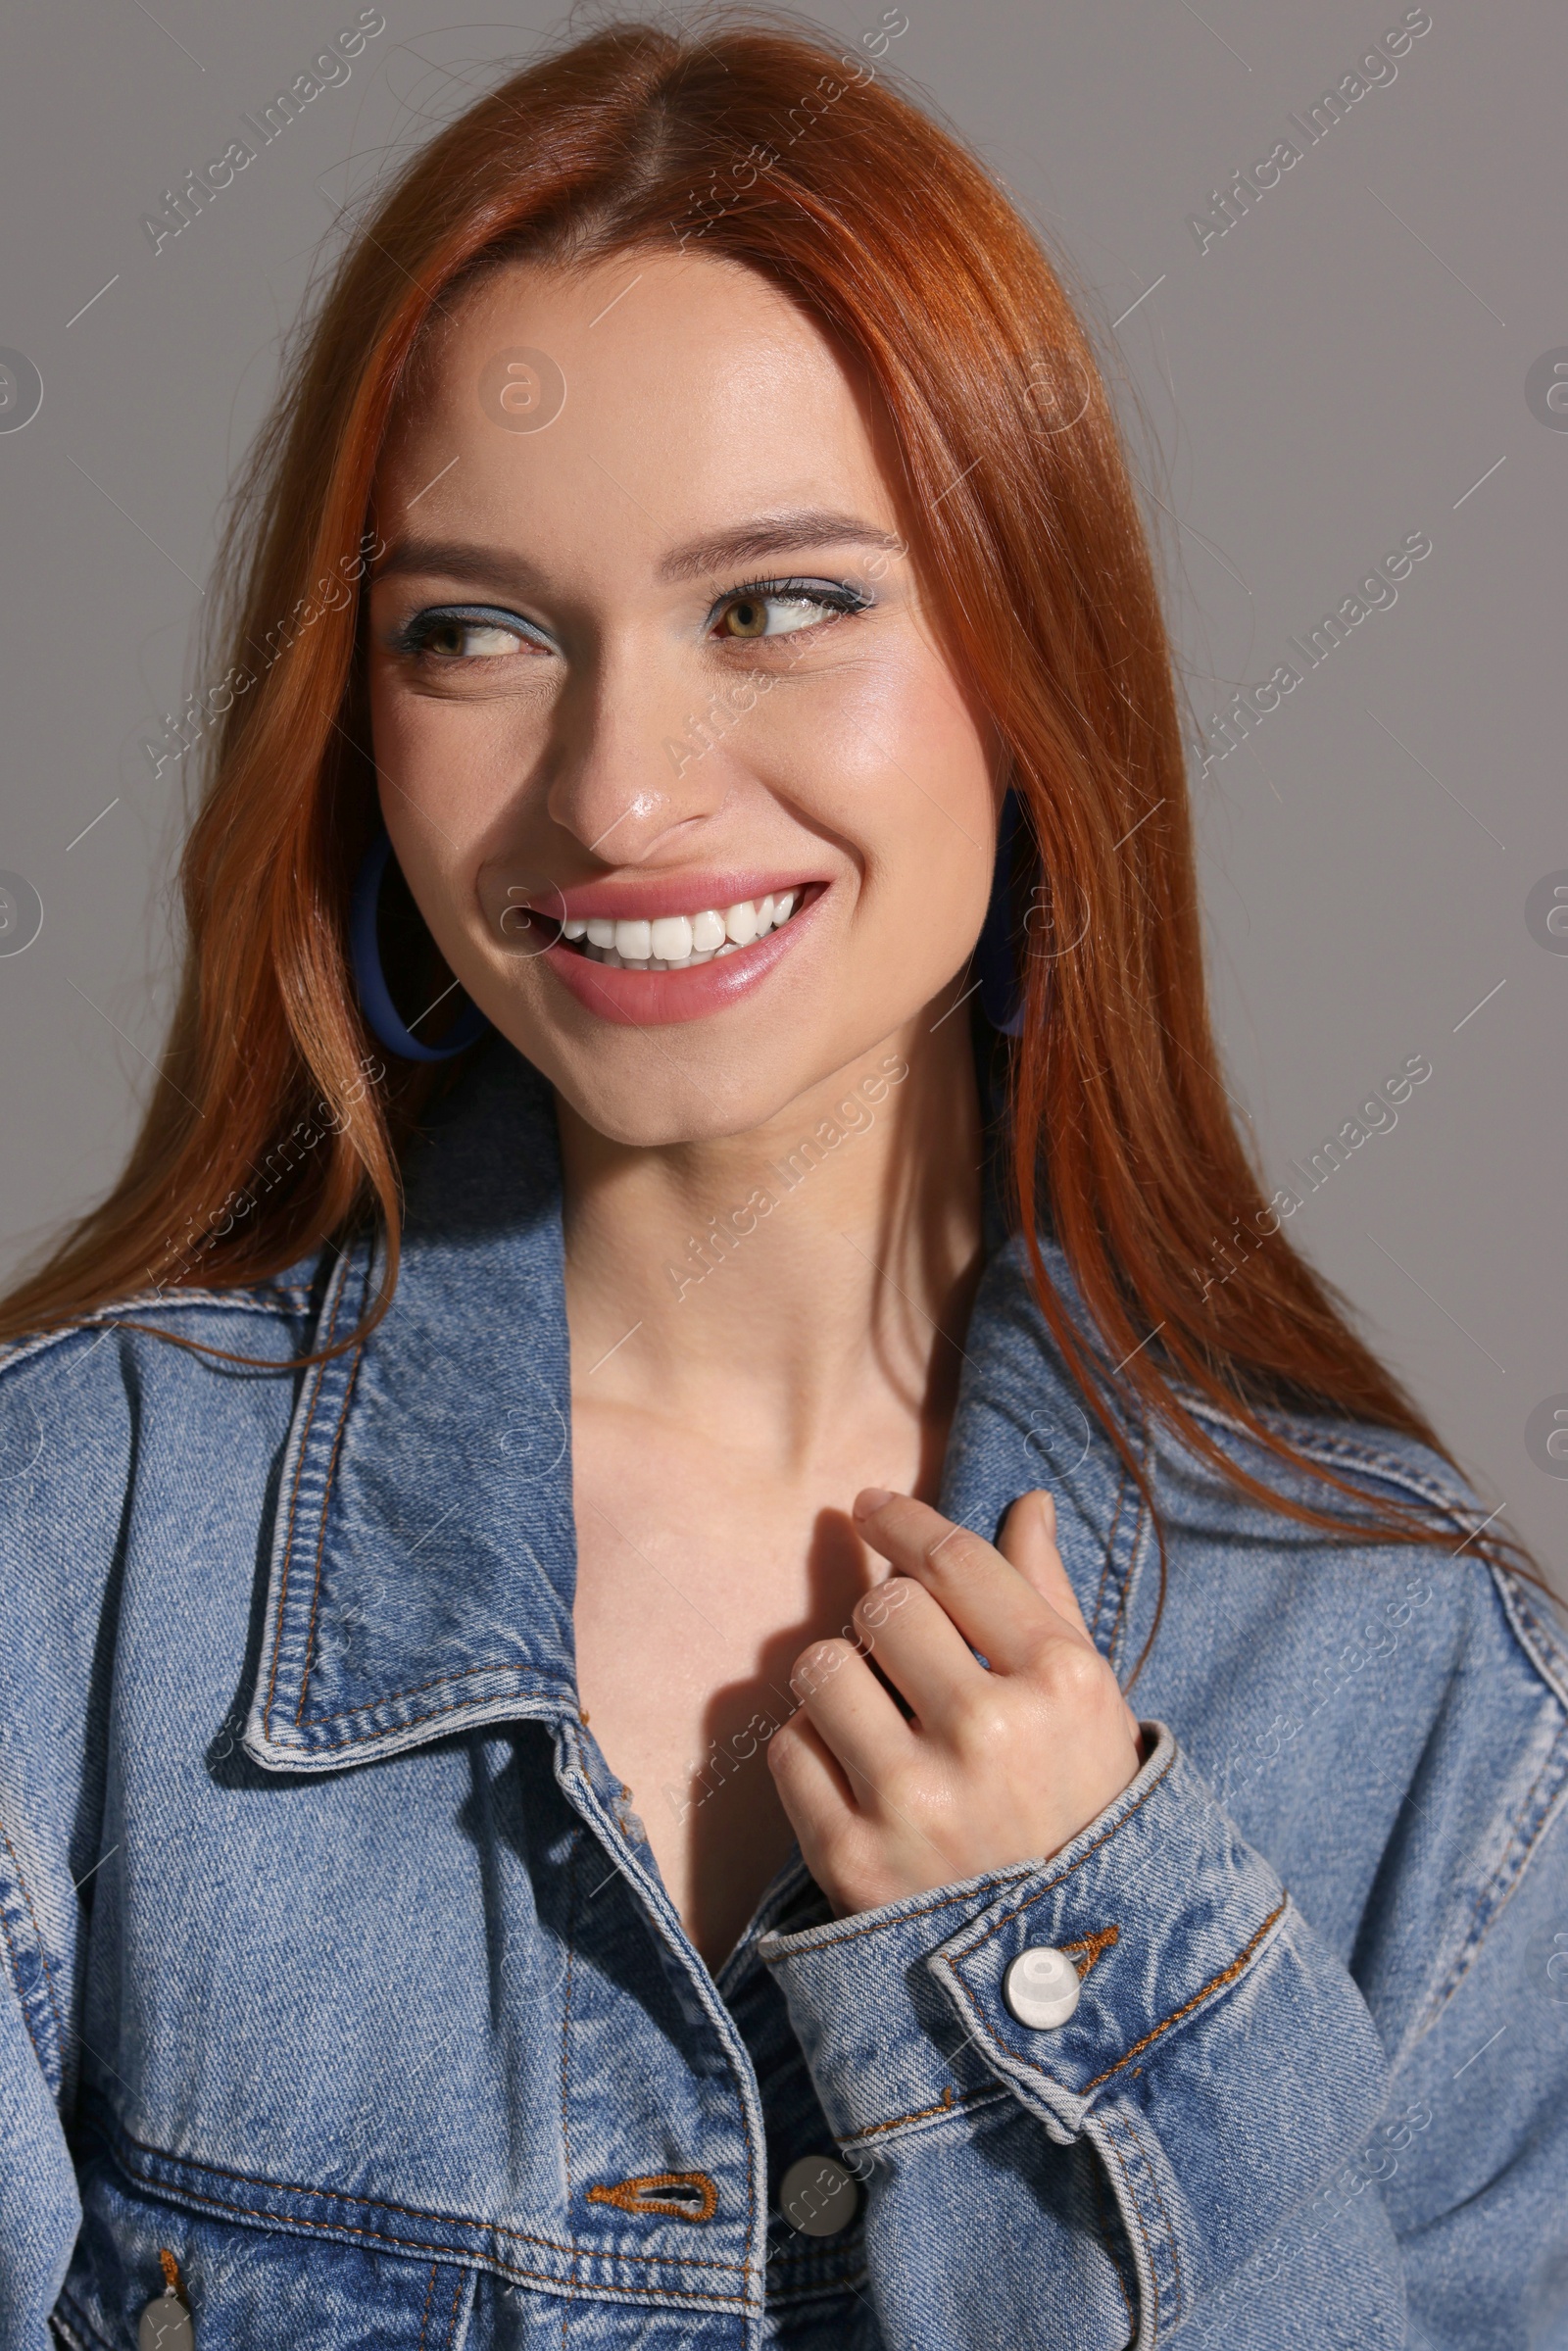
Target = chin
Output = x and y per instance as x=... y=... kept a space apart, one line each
x=651 y=1093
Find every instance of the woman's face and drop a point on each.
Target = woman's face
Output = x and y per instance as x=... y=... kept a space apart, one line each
x=647 y=651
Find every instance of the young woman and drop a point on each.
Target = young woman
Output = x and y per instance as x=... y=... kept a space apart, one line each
x=687 y=1331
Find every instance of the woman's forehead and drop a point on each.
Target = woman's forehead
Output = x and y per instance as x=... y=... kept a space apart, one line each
x=646 y=386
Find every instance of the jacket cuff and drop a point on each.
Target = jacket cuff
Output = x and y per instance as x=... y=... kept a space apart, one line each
x=1157 y=1904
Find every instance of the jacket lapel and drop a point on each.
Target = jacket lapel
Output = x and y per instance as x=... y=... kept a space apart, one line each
x=424 y=1556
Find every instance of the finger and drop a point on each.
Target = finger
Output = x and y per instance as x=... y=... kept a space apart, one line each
x=811 y=1784
x=852 y=1710
x=919 y=1648
x=1028 y=1541
x=996 y=1609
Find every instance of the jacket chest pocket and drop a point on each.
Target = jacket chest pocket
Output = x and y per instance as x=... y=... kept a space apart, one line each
x=245 y=2281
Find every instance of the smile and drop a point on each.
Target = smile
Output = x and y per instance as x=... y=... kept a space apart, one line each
x=679 y=942
x=647 y=970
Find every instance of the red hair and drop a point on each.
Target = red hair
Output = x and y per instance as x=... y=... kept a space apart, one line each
x=759 y=143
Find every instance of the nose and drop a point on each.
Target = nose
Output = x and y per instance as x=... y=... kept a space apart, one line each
x=636 y=758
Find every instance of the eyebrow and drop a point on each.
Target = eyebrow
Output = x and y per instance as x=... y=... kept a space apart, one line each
x=775 y=534
x=764 y=534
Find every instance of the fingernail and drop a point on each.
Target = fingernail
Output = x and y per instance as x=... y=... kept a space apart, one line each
x=871 y=1497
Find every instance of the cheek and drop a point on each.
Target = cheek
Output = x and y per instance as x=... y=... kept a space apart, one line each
x=893 y=762
x=455 y=762
x=439 y=783
x=449 y=775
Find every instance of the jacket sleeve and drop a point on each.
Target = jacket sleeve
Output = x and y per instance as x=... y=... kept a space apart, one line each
x=1201 y=2145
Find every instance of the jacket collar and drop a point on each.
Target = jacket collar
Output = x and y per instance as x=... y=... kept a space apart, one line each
x=424 y=1559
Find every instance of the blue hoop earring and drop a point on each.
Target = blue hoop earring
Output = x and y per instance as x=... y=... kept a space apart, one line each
x=364 y=955
x=995 y=954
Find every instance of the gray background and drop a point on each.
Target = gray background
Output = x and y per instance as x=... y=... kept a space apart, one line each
x=1337 y=371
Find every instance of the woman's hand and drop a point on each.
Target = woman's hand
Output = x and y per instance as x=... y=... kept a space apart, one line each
x=988 y=1768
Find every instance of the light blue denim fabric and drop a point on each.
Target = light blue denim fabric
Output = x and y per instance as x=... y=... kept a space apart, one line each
x=337 y=1965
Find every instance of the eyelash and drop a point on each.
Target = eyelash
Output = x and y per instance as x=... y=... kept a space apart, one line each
x=412 y=639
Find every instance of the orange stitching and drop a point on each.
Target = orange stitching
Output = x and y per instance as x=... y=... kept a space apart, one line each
x=1105 y=1836
x=412 y=2212
x=326 y=1498
x=293 y=1504
x=1225 y=1976
x=636 y=2195
x=382 y=2236
x=948 y=2103
x=1127 y=1579
x=425 y=2320
x=1094 y=1947
x=452 y=2321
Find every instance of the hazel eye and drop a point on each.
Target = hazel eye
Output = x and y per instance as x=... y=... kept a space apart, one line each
x=451 y=636
x=757 y=613
x=458 y=640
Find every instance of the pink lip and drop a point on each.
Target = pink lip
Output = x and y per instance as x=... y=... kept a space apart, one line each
x=646 y=1000
x=644 y=897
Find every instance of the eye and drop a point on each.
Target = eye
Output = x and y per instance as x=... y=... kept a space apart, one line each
x=775 y=607
x=454 y=633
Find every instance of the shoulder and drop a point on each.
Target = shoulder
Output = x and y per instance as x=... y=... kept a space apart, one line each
x=149 y=1411
x=1477 y=1599
x=150 y=1338
x=1021 y=1363
x=166 y=1312
x=1411 y=1764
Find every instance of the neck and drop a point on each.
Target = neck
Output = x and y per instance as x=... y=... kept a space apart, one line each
x=761 y=1287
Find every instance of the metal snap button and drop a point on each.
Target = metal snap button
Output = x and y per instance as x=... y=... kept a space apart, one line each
x=817 y=2195
x=1042 y=1987
x=166 y=2325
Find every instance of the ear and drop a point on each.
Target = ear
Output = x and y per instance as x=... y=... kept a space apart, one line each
x=1028 y=1543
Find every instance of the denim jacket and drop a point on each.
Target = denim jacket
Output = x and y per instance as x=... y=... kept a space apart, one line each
x=343 y=2007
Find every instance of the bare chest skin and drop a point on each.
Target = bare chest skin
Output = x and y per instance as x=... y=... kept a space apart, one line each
x=700 y=1581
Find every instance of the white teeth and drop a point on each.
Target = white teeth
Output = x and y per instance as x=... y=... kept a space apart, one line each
x=675 y=942
x=672 y=938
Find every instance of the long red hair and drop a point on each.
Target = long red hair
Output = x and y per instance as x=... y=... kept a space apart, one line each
x=760 y=143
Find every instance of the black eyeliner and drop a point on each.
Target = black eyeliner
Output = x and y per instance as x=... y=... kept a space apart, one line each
x=410 y=636
x=843 y=595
